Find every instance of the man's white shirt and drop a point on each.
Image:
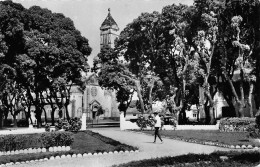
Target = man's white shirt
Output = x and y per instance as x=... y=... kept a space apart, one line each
x=158 y=121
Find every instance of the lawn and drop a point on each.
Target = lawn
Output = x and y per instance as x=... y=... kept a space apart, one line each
x=84 y=142
x=88 y=141
x=216 y=159
x=228 y=138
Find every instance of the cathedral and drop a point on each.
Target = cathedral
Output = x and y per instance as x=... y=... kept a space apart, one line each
x=93 y=97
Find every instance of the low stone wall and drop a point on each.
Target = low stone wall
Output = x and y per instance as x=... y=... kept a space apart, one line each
x=128 y=125
x=197 y=127
x=125 y=124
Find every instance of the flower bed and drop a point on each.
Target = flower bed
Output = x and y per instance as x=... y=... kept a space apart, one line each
x=244 y=124
x=85 y=143
x=33 y=141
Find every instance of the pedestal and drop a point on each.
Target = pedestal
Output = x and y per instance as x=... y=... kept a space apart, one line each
x=52 y=128
x=30 y=126
x=83 y=121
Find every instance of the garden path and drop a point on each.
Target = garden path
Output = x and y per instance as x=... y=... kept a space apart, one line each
x=143 y=142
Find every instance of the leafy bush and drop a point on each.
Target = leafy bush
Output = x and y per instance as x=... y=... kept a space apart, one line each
x=15 y=142
x=255 y=131
x=60 y=123
x=144 y=122
x=47 y=127
x=48 y=139
x=74 y=124
x=141 y=122
x=8 y=122
x=244 y=124
x=22 y=123
x=51 y=139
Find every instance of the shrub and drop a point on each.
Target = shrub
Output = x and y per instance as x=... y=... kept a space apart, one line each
x=74 y=124
x=59 y=124
x=47 y=127
x=236 y=124
x=255 y=131
x=8 y=122
x=15 y=142
x=22 y=123
x=141 y=122
x=47 y=139
x=51 y=139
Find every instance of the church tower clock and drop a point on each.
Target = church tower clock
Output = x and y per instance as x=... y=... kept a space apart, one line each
x=108 y=32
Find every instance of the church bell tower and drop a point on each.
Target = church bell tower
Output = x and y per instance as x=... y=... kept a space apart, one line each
x=108 y=32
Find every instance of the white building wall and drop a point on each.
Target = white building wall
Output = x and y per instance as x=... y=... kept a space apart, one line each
x=219 y=102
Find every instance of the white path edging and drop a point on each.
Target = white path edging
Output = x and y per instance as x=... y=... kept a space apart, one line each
x=84 y=155
x=244 y=147
x=35 y=150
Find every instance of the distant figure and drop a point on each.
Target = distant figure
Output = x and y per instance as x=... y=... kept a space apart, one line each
x=157 y=126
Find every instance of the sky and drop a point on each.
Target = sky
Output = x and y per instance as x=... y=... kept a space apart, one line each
x=88 y=15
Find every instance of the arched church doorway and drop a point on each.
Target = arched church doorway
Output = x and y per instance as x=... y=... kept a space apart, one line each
x=94 y=106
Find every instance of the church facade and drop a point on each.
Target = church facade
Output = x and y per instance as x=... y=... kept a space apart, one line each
x=93 y=97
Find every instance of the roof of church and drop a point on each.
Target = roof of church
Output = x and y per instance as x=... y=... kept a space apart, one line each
x=109 y=22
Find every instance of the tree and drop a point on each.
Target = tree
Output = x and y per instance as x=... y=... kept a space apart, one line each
x=109 y=77
x=48 y=50
x=156 y=48
x=205 y=47
x=238 y=45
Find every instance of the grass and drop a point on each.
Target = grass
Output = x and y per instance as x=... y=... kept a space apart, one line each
x=89 y=141
x=238 y=159
x=229 y=138
x=84 y=142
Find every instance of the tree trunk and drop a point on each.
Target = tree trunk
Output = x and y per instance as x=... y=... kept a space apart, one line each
x=139 y=94
x=242 y=101
x=230 y=103
x=15 y=121
x=198 y=113
x=150 y=95
x=45 y=115
x=212 y=116
x=182 y=115
x=250 y=99
x=235 y=95
x=52 y=116
x=67 y=112
x=207 y=118
x=38 y=115
x=1 y=120
x=201 y=103
x=6 y=111
x=28 y=115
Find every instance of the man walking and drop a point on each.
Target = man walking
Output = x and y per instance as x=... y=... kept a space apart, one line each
x=157 y=126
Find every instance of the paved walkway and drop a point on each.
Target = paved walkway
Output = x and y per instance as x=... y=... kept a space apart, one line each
x=143 y=142
x=21 y=131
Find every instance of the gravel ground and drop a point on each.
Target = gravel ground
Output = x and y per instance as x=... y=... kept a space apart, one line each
x=144 y=142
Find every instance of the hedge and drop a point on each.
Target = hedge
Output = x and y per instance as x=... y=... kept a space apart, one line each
x=244 y=124
x=24 y=141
